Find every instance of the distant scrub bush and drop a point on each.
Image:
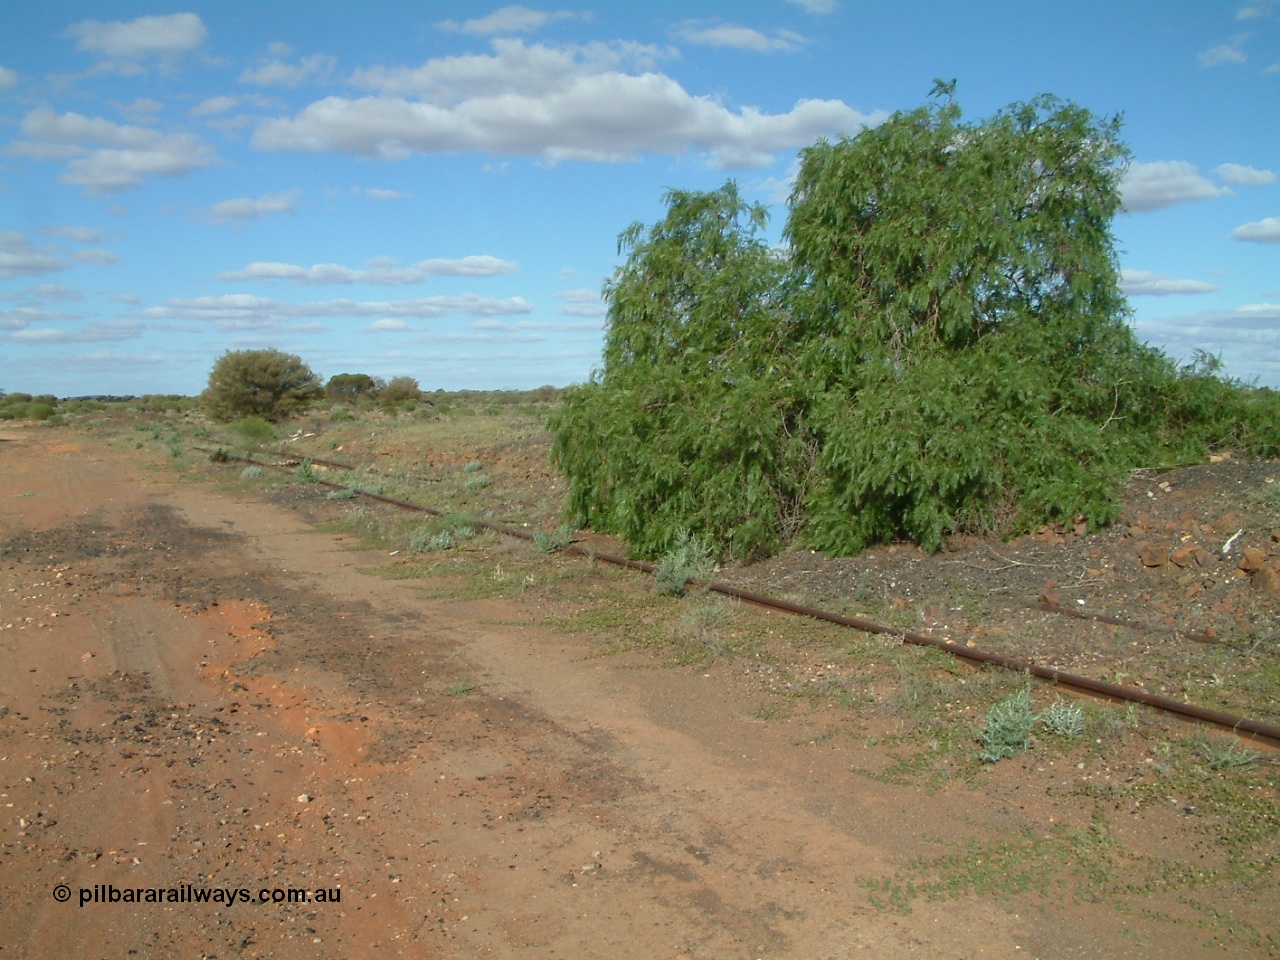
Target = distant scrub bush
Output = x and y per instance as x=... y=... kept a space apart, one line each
x=262 y=383
x=399 y=390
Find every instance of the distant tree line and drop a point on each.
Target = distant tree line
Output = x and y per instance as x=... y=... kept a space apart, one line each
x=275 y=385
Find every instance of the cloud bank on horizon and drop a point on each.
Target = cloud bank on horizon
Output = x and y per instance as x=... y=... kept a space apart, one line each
x=180 y=184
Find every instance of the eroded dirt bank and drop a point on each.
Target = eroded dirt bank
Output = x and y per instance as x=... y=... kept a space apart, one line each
x=202 y=692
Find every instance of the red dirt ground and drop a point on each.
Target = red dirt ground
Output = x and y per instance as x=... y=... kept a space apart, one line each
x=200 y=689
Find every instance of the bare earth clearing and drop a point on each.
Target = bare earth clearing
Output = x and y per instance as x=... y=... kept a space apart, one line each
x=217 y=685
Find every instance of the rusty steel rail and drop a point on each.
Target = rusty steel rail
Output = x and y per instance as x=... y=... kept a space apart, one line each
x=1254 y=729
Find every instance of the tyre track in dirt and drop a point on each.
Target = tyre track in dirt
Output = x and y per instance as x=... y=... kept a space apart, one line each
x=225 y=700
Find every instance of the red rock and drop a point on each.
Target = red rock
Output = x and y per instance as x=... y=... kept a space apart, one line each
x=1253 y=559
x=1226 y=523
x=1153 y=556
x=1266 y=580
x=1185 y=555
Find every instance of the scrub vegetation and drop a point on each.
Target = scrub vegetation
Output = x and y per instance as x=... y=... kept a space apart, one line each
x=940 y=348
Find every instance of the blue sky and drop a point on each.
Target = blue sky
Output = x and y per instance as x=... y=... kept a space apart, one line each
x=436 y=189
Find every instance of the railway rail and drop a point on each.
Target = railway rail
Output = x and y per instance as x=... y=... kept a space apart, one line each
x=1254 y=730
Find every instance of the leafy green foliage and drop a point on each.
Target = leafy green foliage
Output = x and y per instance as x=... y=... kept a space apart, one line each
x=398 y=390
x=1008 y=726
x=943 y=348
x=1063 y=719
x=254 y=428
x=350 y=387
x=264 y=383
x=552 y=541
x=688 y=559
x=692 y=424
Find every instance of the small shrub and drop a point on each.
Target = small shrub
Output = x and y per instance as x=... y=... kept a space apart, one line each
x=250 y=473
x=305 y=473
x=1063 y=719
x=1008 y=726
x=478 y=482
x=553 y=540
x=460 y=525
x=689 y=559
x=254 y=428
x=460 y=688
x=1225 y=754
x=475 y=466
x=425 y=540
x=220 y=456
x=443 y=533
x=175 y=447
x=345 y=494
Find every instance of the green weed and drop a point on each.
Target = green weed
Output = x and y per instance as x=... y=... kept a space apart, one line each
x=1008 y=727
x=688 y=559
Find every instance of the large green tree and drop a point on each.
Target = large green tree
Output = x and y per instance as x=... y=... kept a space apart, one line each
x=264 y=383
x=687 y=425
x=942 y=347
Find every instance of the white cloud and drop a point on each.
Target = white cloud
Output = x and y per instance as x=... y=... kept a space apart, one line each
x=96 y=332
x=514 y=68
x=815 y=6
x=243 y=311
x=21 y=317
x=508 y=20
x=55 y=291
x=127 y=153
x=77 y=234
x=19 y=258
x=1153 y=186
x=1144 y=283
x=1247 y=337
x=778 y=189
x=247 y=208
x=549 y=103
x=385 y=324
x=1260 y=231
x=96 y=257
x=1252 y=11
x=277 y=73
x=535 y=327
x=126 y=44
x=142 y=110
x=381 y=271
x=8 y=80
x=581 y=303
x=1222 y=54
x=709 y=33
x=214 y=106
x=1245 y=176
x=377 y=193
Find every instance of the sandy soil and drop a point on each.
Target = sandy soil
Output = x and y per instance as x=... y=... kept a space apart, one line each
x=201 y=692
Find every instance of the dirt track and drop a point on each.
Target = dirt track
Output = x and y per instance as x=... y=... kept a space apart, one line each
x=202 y=690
